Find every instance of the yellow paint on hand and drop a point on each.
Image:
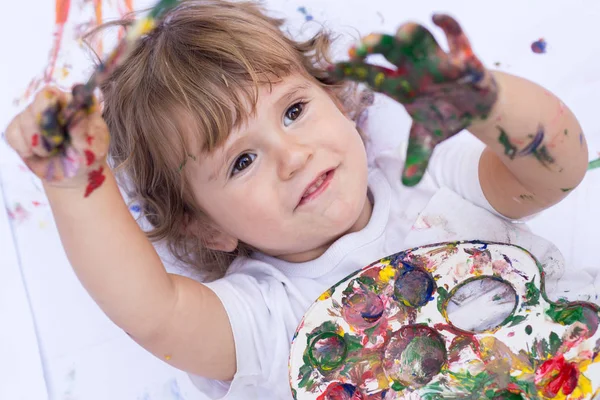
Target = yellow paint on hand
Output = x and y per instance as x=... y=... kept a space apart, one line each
x=167 y=357
x=379 y=79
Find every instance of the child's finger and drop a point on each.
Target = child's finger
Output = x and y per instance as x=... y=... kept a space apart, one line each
x=458 y=42
x=46 y=109
x=420 y=148
x=380 y=79
x=374 y=43
x=15 y=138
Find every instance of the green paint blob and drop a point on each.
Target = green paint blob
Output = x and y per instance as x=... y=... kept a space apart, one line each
x=565 y=315
x=528 y=329
x=532 y=295
x=594 y=164
x=328 y=351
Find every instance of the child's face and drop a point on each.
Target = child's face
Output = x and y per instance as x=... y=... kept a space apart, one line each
x=289 y=182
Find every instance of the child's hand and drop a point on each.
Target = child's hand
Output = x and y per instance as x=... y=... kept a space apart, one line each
x=443 y=92
x=71 y=152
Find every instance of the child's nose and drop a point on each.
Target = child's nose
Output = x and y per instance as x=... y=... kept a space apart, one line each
x=292 y=157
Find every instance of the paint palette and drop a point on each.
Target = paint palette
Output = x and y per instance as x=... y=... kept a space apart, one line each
x=461 y=320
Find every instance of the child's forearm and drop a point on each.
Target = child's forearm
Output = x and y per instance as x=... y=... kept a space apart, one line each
x=535 y=145
x=112 y=257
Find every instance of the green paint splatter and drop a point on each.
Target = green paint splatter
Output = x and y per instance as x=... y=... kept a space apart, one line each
x=398 y=387
x=594 y=164
x=441 y=299
x=555 y=343
x=565 y=315
x=528 y=329
x=566 y=189
x=510 y=150
x=515 y=320
x=532 y=294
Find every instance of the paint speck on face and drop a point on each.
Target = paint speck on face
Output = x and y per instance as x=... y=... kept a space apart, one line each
x=565 y=190
x=539 y=46
x=167 y=357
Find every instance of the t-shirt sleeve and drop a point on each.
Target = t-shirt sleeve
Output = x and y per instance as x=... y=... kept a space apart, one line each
x=455 y=165
x=263 y=322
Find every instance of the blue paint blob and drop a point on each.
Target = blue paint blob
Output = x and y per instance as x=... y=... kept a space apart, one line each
x=135 y=208
x=414 y=287
x=539 y=46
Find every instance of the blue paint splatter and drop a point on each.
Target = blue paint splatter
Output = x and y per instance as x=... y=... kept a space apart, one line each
x=307 y=16
x=176 y=391
x=135 y=208
x=539 y=46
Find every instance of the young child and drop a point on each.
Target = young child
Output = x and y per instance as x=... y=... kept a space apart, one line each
x=241 y=146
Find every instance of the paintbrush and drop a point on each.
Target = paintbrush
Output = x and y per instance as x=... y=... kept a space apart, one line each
x=56 y=120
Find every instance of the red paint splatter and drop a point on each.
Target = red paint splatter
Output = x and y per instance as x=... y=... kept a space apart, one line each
x=89 y=139
x=95 y=180
x=36 y=203
x=89 y=157
x=555 y=375
x=35 y=140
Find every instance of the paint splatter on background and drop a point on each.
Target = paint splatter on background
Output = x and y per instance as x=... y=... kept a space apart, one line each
x=66 y=21
x=307 y=16
x=539 y=46
x=594 y=164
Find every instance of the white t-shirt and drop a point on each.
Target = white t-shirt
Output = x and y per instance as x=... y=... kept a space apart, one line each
x=265 y=298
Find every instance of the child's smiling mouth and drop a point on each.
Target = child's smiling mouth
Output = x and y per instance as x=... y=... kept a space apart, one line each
x=316 y=187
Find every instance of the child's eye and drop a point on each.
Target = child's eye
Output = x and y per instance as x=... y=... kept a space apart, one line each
x=242 y=162
x=293 y=113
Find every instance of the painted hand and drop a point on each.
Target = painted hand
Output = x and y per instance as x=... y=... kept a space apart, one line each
x=61 y=153
x=442 y=92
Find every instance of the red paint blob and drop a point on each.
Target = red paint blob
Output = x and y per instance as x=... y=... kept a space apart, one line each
x=35 y=140
x=555 y=375
x=95 y=180
x=89 y=157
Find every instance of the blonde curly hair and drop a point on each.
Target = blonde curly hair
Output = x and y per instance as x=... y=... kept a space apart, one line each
x=205 y=59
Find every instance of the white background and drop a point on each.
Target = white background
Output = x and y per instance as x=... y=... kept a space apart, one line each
x=54 y=341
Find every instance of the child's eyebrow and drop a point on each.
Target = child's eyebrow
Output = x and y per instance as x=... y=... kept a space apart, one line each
x=293 y=92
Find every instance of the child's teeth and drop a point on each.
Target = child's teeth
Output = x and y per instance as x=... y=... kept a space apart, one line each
x=315 y=186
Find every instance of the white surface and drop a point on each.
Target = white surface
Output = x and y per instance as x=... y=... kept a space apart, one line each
x=85 y=355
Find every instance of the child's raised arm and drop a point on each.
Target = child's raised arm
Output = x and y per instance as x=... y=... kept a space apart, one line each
x=536 y=152
x=177 y=319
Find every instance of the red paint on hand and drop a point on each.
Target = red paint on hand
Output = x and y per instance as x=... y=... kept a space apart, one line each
x=35 y=140
x=95 y=180
x=89 y=139
x=89 y=157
